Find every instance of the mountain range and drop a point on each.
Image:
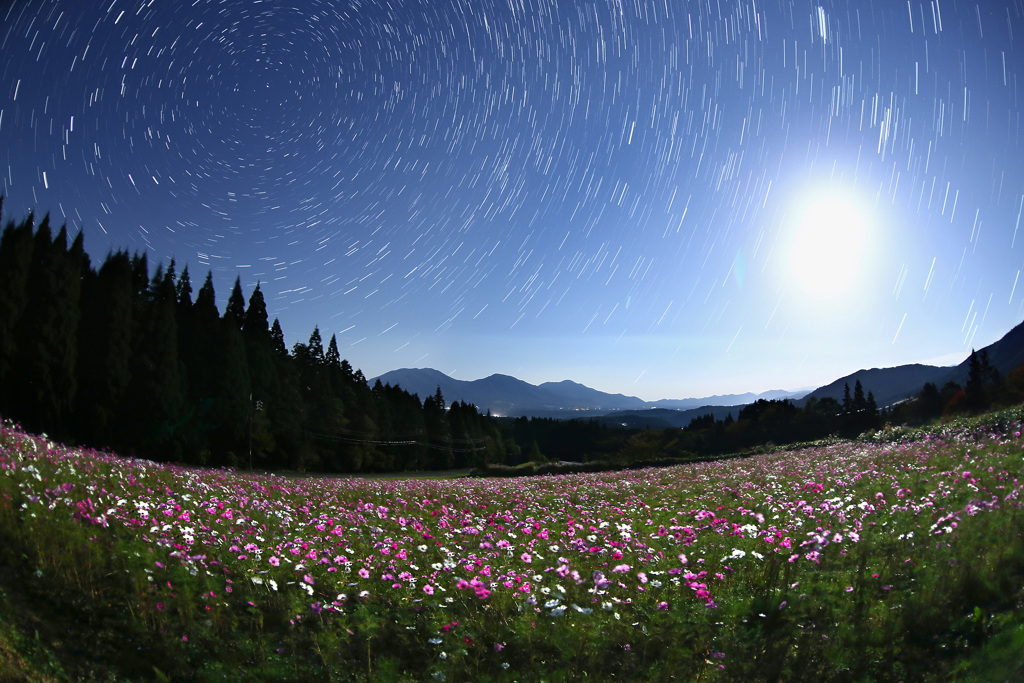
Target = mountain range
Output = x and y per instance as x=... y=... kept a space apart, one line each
x=890 y=385
x=504 y=395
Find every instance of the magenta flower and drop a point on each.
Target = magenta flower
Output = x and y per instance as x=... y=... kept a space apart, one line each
x=428 y=589
x=274 y=561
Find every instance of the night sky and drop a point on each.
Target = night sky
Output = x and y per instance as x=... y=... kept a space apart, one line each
x=661 y=198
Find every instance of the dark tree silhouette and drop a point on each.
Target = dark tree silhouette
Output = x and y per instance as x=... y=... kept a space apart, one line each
x=235 y=311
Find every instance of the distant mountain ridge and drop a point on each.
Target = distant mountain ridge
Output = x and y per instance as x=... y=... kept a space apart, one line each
x=890 y=385
x=508 y=396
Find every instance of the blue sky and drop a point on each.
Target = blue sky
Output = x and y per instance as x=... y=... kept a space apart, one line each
x=663 y=199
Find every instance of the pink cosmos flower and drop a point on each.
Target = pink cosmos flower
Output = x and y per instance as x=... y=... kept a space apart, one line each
x=364 y=572
x=274 y=561
x=428 y=589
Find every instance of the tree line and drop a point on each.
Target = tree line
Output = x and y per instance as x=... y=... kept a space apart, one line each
x=117 y=357
x=783 y=422
x=986 y=388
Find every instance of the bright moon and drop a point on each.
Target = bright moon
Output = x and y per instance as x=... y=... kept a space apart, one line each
x=826 y=254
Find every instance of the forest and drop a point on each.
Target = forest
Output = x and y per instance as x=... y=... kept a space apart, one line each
x=116 y=357
x=131 y=358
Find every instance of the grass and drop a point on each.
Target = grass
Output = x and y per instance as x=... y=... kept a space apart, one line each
x=895 y=557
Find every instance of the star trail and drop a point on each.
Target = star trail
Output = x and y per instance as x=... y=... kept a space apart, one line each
x=616 y=192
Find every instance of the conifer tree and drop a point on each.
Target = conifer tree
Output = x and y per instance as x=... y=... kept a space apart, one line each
x=333 y=358
x=47 y=332
x=263 y=377
x=975 y=389
x=69 y=264
x=140 y=276
x=235 y=311
x=232 y=390
x=105 y=343
x=315 y=347
x=438 y=431
x=157 y=393
x=277 y=339
x=859 y=402
x=205 y=306
x=184 y=290
x=15 y=262
x=255 y=324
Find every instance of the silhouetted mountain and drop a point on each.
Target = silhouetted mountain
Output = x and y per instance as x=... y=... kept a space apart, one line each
x=500 y=394
x=508 y=396
x=578 y=396
x=1004 y=355
x=726 y=399
x=890 y=385
x=505 y=395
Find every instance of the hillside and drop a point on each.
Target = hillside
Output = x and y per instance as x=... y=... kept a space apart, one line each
x=890 y=385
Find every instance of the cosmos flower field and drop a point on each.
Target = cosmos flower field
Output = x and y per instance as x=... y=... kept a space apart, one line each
x=892 y=558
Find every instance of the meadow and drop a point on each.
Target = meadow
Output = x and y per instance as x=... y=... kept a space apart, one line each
x=894 y=557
